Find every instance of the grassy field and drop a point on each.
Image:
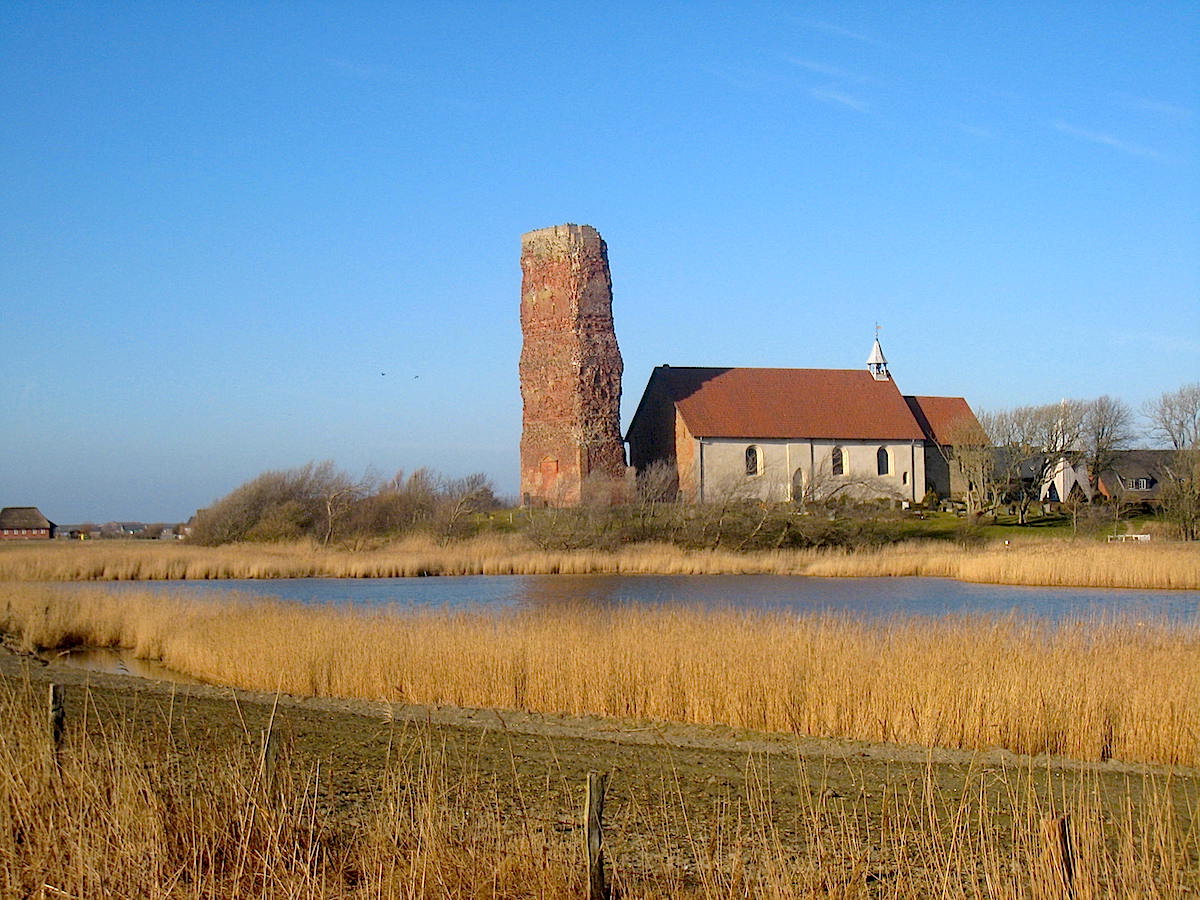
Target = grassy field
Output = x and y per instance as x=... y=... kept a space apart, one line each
x=1091 y=690
x=1023 y=561
x=163 y=793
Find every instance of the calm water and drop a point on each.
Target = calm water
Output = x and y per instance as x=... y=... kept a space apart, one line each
x=866 y=597
x=872 y=597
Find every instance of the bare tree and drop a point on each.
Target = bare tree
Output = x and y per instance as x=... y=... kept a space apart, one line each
x=1032 y=443
x=1181 y=494
x=970 y=453
x=462 y=498
x=1107 y=429
x=820 y=487
x=1175 y=419
x=338 y=493
x=658 y=482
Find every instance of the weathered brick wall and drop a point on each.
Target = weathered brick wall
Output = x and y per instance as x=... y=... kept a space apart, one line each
x=570 y=366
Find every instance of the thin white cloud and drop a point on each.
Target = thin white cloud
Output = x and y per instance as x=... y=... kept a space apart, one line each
x=1161 y=107
x=822 y=69
x=1107 y=140
x=829 y=95
x=840 y=31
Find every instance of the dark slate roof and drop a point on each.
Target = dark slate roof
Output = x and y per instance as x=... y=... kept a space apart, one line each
x=23 y=517
x=1129 y=465
x=786 y=403
x=943 y=418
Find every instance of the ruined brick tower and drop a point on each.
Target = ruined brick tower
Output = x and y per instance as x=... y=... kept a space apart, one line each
x=570 y=369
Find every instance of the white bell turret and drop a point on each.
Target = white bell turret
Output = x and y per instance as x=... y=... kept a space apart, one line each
x=876 y=363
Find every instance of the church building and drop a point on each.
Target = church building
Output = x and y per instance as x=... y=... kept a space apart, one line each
x=796 y=434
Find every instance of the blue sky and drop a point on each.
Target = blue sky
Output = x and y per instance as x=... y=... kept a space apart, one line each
x=223 y=222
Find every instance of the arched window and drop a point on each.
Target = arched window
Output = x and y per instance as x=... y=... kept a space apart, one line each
x=799 y=485
x=882 y=462
x=838 y=462
x=753 y=461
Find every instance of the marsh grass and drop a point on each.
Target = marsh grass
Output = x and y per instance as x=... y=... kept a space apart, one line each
x=1059 y=563
x=150 y=813
x=1090 y=690
x=1051 y=563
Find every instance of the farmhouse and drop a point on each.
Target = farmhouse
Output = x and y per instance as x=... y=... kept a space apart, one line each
x=24 y=523
x=796 y=434
x=1137 y=477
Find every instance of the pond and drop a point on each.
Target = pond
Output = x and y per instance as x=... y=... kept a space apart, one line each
x=870 y=597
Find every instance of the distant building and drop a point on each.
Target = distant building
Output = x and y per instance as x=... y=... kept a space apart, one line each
x=1137 y=477
x=24 y=523
x=792 y=434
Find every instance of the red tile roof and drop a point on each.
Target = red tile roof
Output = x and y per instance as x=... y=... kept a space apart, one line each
x=787 y=403
x=943 y=418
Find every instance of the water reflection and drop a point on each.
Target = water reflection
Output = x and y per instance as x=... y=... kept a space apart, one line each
x=866 y=597
x=116 y=661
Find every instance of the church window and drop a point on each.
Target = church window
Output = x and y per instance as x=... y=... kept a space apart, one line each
x=838 y=462
x=882 y=462
x=799 y=484
x=753 y=461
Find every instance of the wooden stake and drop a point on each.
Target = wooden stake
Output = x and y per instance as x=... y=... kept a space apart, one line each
x=593 y=829
x=57 y=721
x=1059 y=854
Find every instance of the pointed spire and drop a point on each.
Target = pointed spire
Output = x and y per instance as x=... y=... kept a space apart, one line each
x=876 y=362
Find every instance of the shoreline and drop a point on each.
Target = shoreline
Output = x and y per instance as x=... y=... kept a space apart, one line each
x=19 y=665
x=1035 y=563
x=1120 y=688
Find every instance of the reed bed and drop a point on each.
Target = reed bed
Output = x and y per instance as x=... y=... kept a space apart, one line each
x=1091 y=690
x=410 y=557
x=1048 y=563
x=1053 y=563
x=146 y=813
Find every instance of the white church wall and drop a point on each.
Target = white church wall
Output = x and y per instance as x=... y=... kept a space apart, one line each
x=788 y=470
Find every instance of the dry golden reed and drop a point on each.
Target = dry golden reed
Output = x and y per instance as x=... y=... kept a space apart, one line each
x=137 y=813
x=1050 y=563
x=1090 y=690
x=1058 y=563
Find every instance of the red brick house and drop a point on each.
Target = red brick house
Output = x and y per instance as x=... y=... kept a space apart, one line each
x=24 y=523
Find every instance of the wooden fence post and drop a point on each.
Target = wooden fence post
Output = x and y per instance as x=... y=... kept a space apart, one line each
x=1058 y=850
x=57 y=721
x=593 y=830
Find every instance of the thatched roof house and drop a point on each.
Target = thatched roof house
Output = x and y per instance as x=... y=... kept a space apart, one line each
x=24 y=523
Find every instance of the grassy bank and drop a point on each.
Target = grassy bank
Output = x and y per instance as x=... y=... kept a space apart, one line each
x=1041 y=562
x=1093 y=691
x=164 y=798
